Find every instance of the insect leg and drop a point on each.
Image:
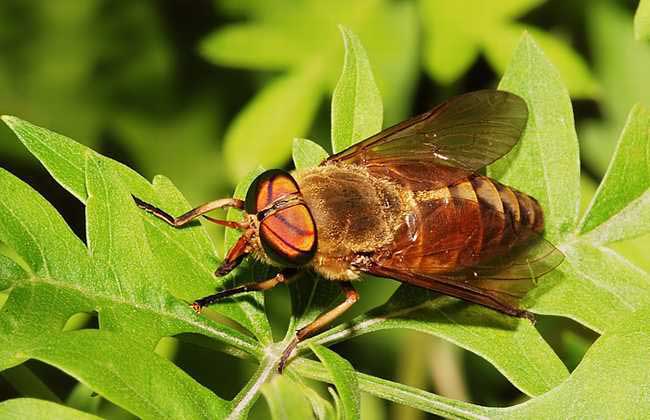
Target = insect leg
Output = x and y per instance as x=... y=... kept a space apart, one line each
x=192 y=214
x=282 y=277
x=351 y=297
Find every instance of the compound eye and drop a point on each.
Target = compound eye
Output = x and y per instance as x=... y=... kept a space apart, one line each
x=268 y=187
x=288 y=236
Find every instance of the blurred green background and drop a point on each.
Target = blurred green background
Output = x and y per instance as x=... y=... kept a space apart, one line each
x=204 y=91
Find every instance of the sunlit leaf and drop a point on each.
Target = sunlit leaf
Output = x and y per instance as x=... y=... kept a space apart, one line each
x=621 y=208
x=345 y=380
x=307 y=154
x=357 y=110
x=286 y=399
x=455 y=34
x=187 y=262
x=642 y=21
x=512 y=345
x=588 y=391
x=262 y=133
x=619 y=63
x=30 y=408
x=545 y=163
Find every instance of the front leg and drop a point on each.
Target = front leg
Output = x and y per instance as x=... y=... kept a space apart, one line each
x=186 y=218
x=351 y=297
x=282 y=277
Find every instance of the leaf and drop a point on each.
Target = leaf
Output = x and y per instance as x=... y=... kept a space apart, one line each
x=262 y=133
x=393 y=52
x=594 y=285
x=512 y=345
x=30 y=408
x=321 y=407
x=455 y=34
x=187 y=255
x=621 y=208
x=642 y=21
x=588 y=391
x=545 y=162
x=307 y=154
x=286 y=399
x=185 y=149
x=357 y=111
x=573 y=70
x=620 y=64
x=27 y=384
x=65 y=280
x=10 y=272
x=344 y=378
x=399 y=393
x=63 y=158
x=273 y=49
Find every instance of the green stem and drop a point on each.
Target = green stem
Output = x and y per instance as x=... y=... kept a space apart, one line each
x=399 y=393
x=245 y=399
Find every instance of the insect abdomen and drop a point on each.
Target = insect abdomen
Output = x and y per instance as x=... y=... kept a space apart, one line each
x=508 y=216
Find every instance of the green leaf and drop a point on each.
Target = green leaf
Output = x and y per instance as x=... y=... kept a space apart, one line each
x=620 y=64
x=27 y=384
x=30 y=408
x=512 y=345
x=64 y=158
x=455 y=34
x=273 y=49
x=573 y=70
x=393 y=53
x=621 y=208
x=399 y=393
x=10 y=272
x=589 y=391
x=262 y=133
x=357 y=110
x=286 y=399
x=545 y=162
x=66 y=280
x=322 y=408
x=186 y=257
x=594 y=285
x=642 y=21
x=307 y=154
x=344 y=378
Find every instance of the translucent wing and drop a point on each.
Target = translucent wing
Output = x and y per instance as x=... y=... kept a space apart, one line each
x=466 y=132
x=471 y=251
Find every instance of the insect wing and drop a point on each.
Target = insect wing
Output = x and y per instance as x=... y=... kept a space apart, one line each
x=466 y=132
x=469 y=251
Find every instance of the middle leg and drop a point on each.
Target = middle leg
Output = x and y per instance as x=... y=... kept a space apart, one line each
x=351 y=297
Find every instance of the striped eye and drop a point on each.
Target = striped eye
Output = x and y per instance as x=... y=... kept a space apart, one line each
x=288 y=235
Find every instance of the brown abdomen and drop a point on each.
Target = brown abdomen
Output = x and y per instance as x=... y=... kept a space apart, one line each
x=464 y=225
x=508 y=216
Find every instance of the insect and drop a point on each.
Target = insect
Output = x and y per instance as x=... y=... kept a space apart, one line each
x=407 y=203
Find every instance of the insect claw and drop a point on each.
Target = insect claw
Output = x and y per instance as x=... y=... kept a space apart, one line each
x=286 y=354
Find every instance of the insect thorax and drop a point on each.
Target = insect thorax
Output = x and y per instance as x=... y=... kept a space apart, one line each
x=354 y=211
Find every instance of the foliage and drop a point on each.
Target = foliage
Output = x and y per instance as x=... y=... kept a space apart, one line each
x=124 y=81
x=136 y=272
x=642 y=21
x=456 y=32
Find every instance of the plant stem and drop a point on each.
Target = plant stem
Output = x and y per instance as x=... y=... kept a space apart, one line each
x=402 y=394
